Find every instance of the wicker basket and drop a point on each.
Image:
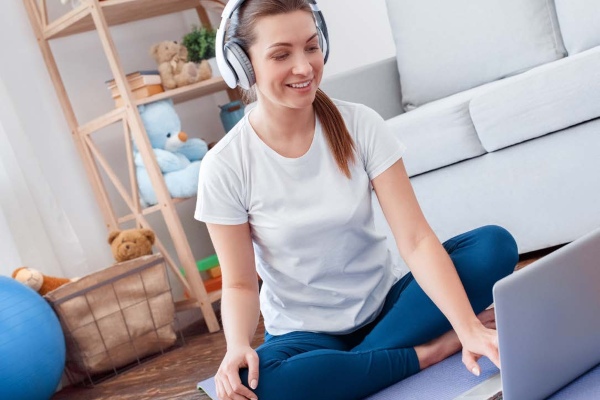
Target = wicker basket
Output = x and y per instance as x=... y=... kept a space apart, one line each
x=116 y=316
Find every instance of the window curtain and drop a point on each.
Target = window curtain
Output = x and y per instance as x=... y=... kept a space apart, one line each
x=34 y=230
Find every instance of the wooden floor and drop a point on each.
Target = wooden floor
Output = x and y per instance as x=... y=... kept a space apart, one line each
x=174 y=375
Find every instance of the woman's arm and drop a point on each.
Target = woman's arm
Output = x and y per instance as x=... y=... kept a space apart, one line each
x=239 y=307
x=430 y=264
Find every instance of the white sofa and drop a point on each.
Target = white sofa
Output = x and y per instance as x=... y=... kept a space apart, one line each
x=498 y=102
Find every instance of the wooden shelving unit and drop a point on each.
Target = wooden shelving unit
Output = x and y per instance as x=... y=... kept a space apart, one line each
x=96 y=15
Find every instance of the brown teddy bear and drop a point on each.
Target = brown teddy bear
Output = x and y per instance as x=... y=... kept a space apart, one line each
x=131 y=243
x=174 y=69
x=37 y=281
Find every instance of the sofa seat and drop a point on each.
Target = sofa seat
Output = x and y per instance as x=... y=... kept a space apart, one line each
x=544 y=191
x=543 y=100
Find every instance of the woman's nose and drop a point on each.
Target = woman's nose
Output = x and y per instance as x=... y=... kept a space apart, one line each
x=302 y=66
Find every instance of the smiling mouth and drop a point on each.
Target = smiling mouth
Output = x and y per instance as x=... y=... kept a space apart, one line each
x=300 y=85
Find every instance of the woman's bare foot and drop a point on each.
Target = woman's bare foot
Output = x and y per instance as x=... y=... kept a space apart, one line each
x=488 y=318
x=448 y=344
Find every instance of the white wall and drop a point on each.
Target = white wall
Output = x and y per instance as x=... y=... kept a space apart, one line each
x=359 y=35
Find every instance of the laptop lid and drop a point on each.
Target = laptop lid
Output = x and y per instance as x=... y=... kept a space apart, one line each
x=548 y=320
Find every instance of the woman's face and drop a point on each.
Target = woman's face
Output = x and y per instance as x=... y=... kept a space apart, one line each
x=287 y=60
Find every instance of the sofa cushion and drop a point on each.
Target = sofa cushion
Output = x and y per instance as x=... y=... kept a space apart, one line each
x=578 y=20
x=439 y=133
x=546 y=99
x=444 y=47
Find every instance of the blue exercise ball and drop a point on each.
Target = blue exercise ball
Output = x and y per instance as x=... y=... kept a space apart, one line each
x=32 y=344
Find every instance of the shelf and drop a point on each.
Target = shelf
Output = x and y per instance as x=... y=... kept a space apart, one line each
x=189 y=304
x=179 y=95
x=213 y=85
x=116 y=12
x=94 y=15
x=151 y=209
x=109 y=118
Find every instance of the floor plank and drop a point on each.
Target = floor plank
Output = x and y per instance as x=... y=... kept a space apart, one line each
x=174 y=375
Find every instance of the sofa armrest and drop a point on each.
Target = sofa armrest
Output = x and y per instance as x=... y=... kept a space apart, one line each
x=375 y=85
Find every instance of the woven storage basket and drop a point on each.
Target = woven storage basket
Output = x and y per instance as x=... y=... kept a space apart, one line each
x=116 y=316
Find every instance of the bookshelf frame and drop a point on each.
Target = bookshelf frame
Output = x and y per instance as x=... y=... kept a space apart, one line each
x=99 y=15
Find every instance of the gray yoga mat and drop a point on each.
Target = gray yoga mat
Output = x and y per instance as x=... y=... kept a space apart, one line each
x=450 y=378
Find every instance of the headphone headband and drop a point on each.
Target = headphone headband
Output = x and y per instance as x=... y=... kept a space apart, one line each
x=234 y=64
x=230 y=8
x=321 y=25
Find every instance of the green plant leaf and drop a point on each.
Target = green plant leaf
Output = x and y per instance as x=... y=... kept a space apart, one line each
x=200 y=43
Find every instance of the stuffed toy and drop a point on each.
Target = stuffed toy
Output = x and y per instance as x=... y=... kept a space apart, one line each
x=131 y=243
x=174 y=68
x=177 y=155
x=37 y=281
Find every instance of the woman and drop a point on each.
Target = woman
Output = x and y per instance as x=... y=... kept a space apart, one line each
x=287 y=193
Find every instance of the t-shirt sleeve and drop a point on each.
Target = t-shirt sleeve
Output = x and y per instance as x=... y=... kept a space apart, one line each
x=378 y=148
x=220 y=194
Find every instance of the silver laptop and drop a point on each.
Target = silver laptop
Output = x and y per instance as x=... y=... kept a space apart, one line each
x=548 y=321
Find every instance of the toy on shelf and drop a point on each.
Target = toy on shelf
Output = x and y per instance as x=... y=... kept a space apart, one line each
x=131 y=243
x=177 y=155
x=39 y=282
x=211 y=266
x=174 y=68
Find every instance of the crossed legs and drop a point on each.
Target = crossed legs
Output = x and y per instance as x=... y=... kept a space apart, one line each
x=410 y=333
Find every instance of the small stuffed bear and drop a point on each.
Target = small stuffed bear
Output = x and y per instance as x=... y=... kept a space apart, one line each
x=131 y=243
x=174 y=68
x=178 y=156
x=37 y=281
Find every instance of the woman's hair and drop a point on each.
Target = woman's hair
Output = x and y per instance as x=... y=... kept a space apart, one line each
x=241 y=31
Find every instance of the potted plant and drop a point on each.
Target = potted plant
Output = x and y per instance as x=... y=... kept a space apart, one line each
x=200 y=43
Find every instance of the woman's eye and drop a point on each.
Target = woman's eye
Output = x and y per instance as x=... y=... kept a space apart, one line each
x=312 y=49
x=279 y=57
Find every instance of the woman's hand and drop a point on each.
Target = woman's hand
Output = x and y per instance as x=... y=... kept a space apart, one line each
x=228 y=383
x=480 y=340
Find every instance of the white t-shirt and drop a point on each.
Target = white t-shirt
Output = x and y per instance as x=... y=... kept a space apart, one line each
x=323 y=265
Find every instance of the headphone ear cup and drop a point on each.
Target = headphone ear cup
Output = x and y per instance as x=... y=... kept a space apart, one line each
x=241 y=65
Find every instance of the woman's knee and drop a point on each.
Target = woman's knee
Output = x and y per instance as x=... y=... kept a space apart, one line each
x=484 y=255
x=498 y=249
x=264 y=390
x=492 y=256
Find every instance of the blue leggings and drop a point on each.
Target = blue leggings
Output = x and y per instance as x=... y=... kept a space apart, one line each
x=308 y=365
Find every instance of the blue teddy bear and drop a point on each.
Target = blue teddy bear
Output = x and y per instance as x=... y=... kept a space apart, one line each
x=177 y=155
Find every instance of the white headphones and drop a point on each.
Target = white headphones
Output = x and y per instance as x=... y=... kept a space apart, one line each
x=233 y=62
